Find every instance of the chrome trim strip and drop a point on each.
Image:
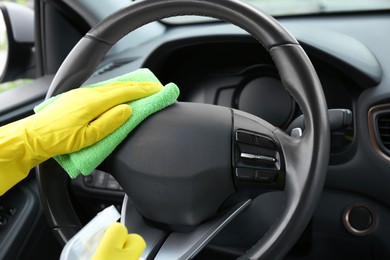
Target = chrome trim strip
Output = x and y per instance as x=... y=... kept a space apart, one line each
x=258 y=157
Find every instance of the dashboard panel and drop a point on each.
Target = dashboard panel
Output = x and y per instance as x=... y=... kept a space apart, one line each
x=233 y=71
x=237 y=72
x=218 y=63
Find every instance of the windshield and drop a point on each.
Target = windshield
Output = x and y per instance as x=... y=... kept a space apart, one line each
x=296 y=7
x=299 y=7
x=94 y=13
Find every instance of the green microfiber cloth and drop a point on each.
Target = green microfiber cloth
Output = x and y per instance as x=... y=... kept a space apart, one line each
x=87 y=159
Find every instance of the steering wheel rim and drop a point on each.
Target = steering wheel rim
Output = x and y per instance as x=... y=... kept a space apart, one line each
x=305 y=177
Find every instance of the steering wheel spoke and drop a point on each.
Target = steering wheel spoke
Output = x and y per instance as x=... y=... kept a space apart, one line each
x=297 y=162
x=177 y=245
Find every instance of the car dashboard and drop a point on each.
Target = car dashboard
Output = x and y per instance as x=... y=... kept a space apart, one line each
x=218 y=63
x=221 y=64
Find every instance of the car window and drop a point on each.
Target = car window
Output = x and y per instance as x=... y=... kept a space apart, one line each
x=4 y=50
x=3 y=43
x=29 y=3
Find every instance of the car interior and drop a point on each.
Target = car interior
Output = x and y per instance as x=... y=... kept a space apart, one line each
x=278 y=146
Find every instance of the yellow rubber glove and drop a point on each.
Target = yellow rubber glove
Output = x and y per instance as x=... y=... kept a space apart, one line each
x=117 y=244
x=76 y=119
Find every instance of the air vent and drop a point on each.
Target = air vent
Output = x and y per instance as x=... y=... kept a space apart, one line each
x=383 y=124
x=379 y=129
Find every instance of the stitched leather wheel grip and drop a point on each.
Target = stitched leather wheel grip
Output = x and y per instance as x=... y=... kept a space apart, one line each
x=302 y=191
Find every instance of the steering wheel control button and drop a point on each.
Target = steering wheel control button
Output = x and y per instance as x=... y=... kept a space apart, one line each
x=101 y=180
x=251 y=175
x=258 y=157
x=3 y=221
x=296 y=132
x=10 y=211
x=265 y=142
x=266 y=176
x=245 y=138
x=359 y=220
x=254 y=139
x=112 y=184
x=245 y=174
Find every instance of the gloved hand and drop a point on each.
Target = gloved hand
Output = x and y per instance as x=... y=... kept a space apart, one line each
x=74 y=120
x=117 y=244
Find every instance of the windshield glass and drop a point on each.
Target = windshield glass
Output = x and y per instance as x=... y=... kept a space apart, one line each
x=94 y=13
x=300 y=7
x=296 y=7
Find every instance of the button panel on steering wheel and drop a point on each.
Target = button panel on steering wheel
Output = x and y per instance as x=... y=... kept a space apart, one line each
x=256 y=158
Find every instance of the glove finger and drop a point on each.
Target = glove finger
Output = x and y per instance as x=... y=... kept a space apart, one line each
x=115 y=236
x=113 y=239
x=89 y=103
x=107 y=123
x=121 y=92
x=135 y=244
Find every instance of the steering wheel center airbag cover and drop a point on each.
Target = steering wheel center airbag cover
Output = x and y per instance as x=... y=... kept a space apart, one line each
x=181 y=184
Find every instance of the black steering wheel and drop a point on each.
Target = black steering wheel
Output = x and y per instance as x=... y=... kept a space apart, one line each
x=182 y=166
